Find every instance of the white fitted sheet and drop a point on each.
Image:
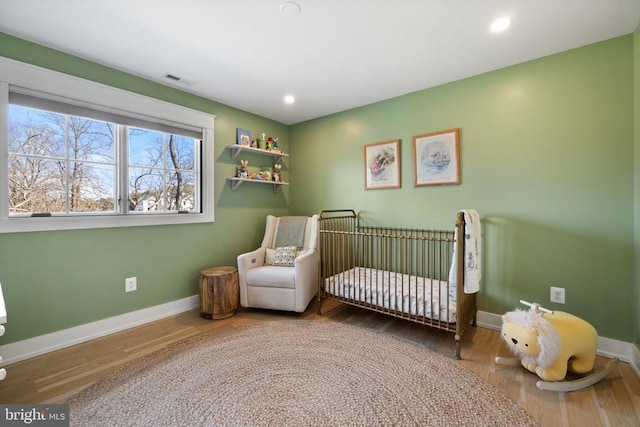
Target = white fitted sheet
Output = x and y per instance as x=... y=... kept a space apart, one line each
x=420 y=296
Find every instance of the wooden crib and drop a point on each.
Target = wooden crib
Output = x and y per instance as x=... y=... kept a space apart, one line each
x=400 y=272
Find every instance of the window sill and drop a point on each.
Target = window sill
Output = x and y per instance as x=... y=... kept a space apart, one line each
x=29 y=224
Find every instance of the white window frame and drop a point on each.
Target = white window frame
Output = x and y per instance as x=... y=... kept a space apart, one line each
x=91 y=94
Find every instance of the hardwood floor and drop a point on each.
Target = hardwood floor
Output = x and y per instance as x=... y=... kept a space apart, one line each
x=55 y=377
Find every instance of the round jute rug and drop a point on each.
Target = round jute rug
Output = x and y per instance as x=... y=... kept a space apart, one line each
x=295 y=373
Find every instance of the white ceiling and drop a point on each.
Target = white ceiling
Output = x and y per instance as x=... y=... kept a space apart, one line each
x=334 y=55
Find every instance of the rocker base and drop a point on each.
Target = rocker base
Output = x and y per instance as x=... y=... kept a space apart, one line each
x=572 y=385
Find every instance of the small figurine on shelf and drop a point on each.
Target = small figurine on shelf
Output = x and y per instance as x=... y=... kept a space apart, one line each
x=243 y=172
x=277 y=175
x=262 y=144
x=274 y=145
x=266 y=173
x=254 y=143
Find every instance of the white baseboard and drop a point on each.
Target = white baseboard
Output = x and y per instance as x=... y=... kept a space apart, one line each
x=31 y=347
x=635 y=360
x=607 y=347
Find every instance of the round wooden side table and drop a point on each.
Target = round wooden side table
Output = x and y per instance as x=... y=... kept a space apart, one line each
x=218 y=292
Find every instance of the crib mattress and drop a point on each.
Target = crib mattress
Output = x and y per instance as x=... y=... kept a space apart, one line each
x=419 y=296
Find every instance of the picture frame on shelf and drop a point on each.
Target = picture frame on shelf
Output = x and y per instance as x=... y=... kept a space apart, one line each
x=436 y=158
x=243 y=137
x=382 y=165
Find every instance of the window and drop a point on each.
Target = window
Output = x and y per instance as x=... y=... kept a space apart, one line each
x=163 y=176
x=60 y=164
x=63 y=165
x=75 y=163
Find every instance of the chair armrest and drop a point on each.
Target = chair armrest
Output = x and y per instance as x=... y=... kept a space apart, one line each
x=246 y=262
x=306 y=265
x=303 y=256
x=251 y=260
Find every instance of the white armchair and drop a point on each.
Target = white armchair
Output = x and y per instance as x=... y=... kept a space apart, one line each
x=276 y=276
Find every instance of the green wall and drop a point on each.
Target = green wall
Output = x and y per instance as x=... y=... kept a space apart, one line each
x=547 y=152
x=59 y=279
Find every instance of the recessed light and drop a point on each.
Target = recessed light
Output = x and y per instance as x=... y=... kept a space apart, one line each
x=500 y=24
x=290 y=8
x=289 y=99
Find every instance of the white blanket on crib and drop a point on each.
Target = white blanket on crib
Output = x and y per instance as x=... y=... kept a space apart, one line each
x=396 y=291
x=472 y=253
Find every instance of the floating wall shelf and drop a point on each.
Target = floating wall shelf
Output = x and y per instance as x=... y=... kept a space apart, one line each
x=236 y=149
x=236 y=182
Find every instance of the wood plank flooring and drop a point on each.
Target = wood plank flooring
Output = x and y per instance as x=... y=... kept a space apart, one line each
x=56 y=376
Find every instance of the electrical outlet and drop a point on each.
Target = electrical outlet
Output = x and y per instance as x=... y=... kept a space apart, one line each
x=130 y=284
x=557 y=295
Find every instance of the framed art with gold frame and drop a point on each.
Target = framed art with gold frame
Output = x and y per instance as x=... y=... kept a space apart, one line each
x=436 y=158
x=382 y=165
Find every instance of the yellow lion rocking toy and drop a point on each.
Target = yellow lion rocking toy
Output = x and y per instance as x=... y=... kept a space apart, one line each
x=551 y=343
